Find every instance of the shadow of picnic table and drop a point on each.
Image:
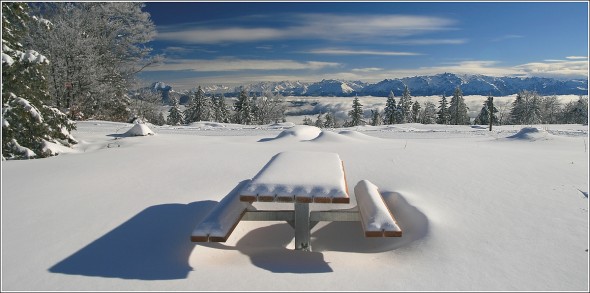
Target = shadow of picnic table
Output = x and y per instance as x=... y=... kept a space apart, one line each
x=152 y=245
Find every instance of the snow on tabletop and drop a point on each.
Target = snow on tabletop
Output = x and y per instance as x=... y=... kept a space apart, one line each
x=374 y=213
x=302 y=174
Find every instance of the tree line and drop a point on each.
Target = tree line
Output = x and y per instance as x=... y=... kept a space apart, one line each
x=264 y=109
x=528 y=108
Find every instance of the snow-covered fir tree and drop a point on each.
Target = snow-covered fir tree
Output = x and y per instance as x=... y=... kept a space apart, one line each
x=330 y=120
x=174 y=114
x=356 y=114
x=243 y=109
x=576 y=112
x=526 y=108
x=389 y=113
x=319 y=122
x=376 y=117
x=416 y=111
x=405 y=106
x=550 y=110
x=269 y=108
x=29 y=120
x=483 y=118
x=221 y=110
x=517 y=112
x=443 y=116
x=199 y=108
x=308 y=121
x=428 y=114
x=457 y=109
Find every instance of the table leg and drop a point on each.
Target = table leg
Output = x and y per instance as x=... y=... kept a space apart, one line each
x=302 y=227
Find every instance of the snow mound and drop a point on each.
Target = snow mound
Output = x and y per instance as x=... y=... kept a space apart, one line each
x=139 y=130
x=299 y=132
x=530 y=133
x=357 y=135
x=328 y=136
x=337 y=236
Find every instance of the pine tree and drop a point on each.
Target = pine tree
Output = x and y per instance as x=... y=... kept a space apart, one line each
x=405 y=106
x=443 y=112
x=483 y=118
x=550 y=109
x=319 y=121
x=375 y=117
x=518 y=110
x=356 y=114
x=526 y=108
x=29 y=123
x=389 y=113
x=428 y=115
x=330 y=121
x=199 y=108
x=174 y=114
x=416 y=111
x=579 y=112
x=243 y=109
x=221 y=112
x=307 y=121
x=457 y=109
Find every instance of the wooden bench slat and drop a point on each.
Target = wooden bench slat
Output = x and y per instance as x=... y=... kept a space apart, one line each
x=221 y=221
x=377 y=220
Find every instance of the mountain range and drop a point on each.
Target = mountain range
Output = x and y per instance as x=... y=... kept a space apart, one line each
x=439 y=84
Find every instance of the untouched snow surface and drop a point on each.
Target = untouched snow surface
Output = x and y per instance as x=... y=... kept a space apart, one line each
x=479 y=211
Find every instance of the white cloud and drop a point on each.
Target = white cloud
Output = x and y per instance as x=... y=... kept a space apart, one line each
x=360 y=52
x=368 y=69
x=214 y=36
x=429 y=42
x=232 y=64
x=310 y=26
x=577 y=57
x=553 y=68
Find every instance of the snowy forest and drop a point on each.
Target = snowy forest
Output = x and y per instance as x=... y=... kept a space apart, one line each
x=67 y=62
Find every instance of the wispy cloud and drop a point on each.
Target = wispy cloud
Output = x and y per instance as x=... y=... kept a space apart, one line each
x=314 y=26
x=221 y=35
x=429 y=42
x=360 y=52
x=368 y=69
x=185 y=50
x=577 y=68
x=577 y=57
x=233 y=64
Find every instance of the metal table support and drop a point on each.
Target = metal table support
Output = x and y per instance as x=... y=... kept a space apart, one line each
x=302 y=220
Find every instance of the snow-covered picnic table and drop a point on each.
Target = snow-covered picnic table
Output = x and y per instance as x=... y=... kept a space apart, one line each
x=302 y=178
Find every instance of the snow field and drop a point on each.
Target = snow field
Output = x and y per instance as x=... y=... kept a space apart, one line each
x=479 y=211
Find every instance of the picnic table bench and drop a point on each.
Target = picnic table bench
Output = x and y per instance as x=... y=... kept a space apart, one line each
x=301 y=178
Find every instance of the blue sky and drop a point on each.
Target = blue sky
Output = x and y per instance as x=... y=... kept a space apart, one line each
x=238 y=43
